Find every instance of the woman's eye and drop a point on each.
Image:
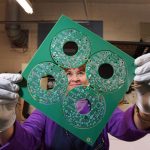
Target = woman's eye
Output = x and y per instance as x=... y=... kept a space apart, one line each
x=68 y=73
x=81 y=73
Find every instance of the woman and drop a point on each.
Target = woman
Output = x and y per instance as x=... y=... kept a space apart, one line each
x=40 y=132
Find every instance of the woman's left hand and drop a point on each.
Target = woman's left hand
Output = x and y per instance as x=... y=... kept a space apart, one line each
x=142 y=78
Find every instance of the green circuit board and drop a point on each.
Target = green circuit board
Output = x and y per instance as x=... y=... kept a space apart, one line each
x=109 y=71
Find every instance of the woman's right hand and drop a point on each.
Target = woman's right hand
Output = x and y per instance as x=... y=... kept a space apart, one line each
x=8 y=99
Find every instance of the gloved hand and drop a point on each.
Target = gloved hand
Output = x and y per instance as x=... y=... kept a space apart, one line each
x=142 y=78
x=8 y=99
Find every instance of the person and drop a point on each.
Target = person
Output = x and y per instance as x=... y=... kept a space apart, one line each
x=40 y=132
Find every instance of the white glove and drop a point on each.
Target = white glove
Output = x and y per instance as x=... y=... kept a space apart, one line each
x=8 y=99
x=142 y=77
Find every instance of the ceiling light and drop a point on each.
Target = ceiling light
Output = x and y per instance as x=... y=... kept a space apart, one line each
x=26 y=5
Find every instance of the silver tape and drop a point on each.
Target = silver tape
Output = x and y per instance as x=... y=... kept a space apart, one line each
x=115 y=78
x=93 y=117
x=57 y=48
x=52 y=95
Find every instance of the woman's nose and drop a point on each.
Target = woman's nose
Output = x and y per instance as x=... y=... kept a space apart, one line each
x=75 y=77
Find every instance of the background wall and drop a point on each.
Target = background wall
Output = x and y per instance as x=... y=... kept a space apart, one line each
x=121 y=22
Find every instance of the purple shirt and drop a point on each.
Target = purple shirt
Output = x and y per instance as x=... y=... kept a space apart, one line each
x=40 y=132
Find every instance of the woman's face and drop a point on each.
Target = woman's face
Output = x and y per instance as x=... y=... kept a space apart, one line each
x=76 y=77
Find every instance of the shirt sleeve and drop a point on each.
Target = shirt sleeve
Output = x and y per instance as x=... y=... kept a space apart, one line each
x=28 y=135
x=121 y=125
